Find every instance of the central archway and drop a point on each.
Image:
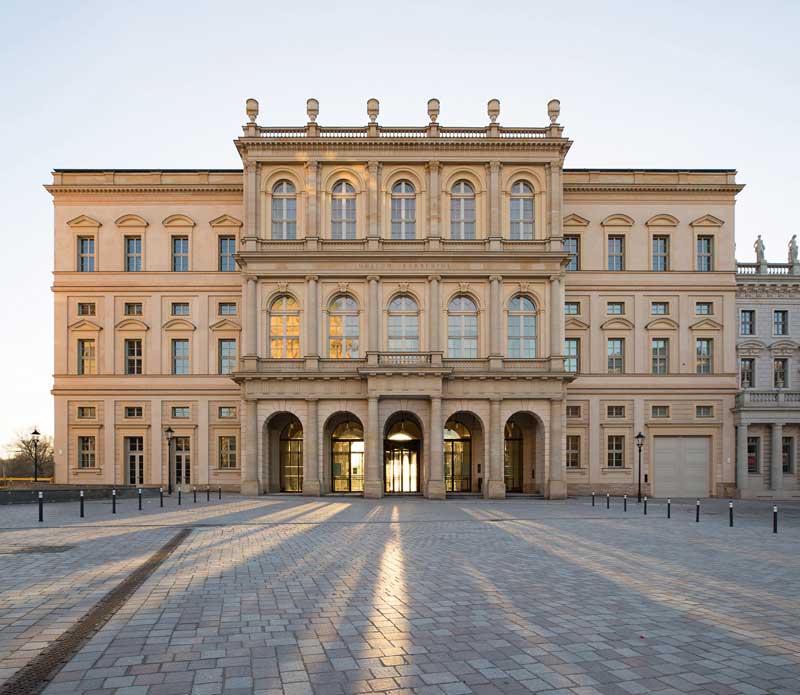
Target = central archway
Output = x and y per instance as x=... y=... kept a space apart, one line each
x=402 y=447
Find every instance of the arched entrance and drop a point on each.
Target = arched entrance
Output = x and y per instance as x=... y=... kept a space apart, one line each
x=291 y=457
x=523 y=454
x=347 y=457
x=402 y=455
x=457 y=456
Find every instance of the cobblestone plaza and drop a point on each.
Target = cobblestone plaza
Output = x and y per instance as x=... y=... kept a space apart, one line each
x=346 y=595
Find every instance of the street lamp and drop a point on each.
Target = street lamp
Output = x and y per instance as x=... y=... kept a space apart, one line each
x=169 y=432
x=639 y=444
x=35 y=437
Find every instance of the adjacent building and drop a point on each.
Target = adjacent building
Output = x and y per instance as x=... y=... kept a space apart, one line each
x=768 y=405
x=377 y=310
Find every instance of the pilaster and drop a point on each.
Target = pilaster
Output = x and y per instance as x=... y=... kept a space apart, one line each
x=776 y=467
x=435 y=488
x=495 y=486
x=312 y=485
x=249 y=485
x=373 y=483
x=557 y=485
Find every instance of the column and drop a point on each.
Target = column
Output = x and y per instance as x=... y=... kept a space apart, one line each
x=556 y=309
x=312 y=204
x=496 y=486
x=435 y=489
x=250 y=460
x=373 y=230
x=312 y=485
x=495 y=232
x=555 y=206
x=776 y=469
x=312 y=321
x=557 y=486
x=251 y=203
x=434 y=313
x=251 y=326
x=433 y=200
x=495 y=323
x=373 y=315
x=373 y=482
x=741 y=459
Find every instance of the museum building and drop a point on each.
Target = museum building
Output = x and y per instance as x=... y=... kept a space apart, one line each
x=422 y=310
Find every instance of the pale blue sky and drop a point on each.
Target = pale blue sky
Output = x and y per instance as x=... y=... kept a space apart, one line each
x=163 y=84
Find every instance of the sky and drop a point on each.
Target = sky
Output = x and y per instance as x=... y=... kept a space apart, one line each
x=163 y=85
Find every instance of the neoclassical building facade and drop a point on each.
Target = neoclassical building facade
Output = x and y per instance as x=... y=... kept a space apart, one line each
x=382 y=310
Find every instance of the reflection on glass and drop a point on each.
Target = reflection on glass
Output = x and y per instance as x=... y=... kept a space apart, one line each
x=347 y=457
x=457 y=457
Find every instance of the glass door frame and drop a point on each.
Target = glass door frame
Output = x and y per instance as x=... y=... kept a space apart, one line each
x=349 y=453
x=449 y=448
x=520 y=461
x=129 y=460
x=413 y=446
x=182 y=456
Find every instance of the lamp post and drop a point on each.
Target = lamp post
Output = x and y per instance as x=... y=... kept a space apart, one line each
x=169 y=432
x=35 y=437
x=639 y=444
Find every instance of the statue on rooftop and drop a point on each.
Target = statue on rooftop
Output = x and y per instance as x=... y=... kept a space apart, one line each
x=759 y=247
x=793 y=250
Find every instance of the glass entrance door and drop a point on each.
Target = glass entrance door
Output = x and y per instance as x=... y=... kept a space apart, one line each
x=134 y=455
x=512 y=459
x=291 y=455
x=401 y=469
x=347 y=457
x=183 y=461
x=457 y=457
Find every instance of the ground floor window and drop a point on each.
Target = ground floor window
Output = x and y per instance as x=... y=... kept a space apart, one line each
x=134 y=456
x=753 y=454
x=227 y=451
x=573 y=451
x=616 y=451
x=788 y=454
x=86 y=452
x=183 y=461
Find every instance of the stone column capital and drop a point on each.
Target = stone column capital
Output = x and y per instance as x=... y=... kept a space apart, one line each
x=495 y=278
x=434 y=278
x=373 y=278
x=311 y=278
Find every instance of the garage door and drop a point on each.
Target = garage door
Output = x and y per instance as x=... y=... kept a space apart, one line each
x=681 y=466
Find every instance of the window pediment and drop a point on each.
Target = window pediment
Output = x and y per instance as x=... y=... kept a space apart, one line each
x=178 y=221
x=225 y=325
x=132 y=325
x=706 y=325
x=575 y=325
x=84 y=221
x=707 y=221
x=617 y=220
x=131 y=221
x=663 y=220
x=662 y=324
x=86 y=326
x=751 y=348
x=616 y=324
x=178 y=325
x=573 y=220
x=783 y=348
x=225 y=221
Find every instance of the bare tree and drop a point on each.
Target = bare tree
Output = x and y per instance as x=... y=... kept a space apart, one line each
x=21 y=456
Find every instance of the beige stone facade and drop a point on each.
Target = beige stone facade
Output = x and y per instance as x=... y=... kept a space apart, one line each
x=417 y=310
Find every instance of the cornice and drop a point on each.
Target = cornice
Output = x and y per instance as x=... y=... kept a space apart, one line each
x=654 y=187
x=246 y=145
x=784 y=288
x=62 y=189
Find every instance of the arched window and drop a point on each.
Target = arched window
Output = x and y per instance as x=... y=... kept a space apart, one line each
x=343 y=328
x=404 y=211
x=284 y=210
x=462 y=328
x=522 y=211
x=284 y=328
x=403 y=333
x=462 y=211
x=522 y=328
x=343 y=211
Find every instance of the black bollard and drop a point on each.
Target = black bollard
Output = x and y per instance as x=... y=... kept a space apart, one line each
x=41 y=506
x=140 y=499
x=194 y=490
x=161 y=496
x=774 y=519
x=81 y=504
x=208 y=494
x=669 y=508
x=179 y=495
x=113 y=501
x=608 y=501
x=697 y=512
x=220 y=491
x=593 y=499
x=645 y=505
x=730 y=514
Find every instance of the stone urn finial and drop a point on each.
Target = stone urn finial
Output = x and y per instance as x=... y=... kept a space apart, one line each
x=373 y=109
x=493 y=109
x=553 y=110
x=433 y=109
x=312 y=109
x=252 y=110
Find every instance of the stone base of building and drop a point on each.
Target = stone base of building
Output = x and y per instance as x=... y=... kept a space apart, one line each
x=250 y=487
x=556 y=490
x=761 y=494
x=725 y=490
x=435 y=490
x=496 y=490
x=613 y=489
x=373 y=490
x=312 y=488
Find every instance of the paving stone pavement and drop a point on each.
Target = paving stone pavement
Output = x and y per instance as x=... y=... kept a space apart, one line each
x=294 y=596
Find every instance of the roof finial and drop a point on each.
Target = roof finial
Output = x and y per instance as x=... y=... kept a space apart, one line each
x=433 y=109
x=373 y=109
x=312 y=109
x=251 y=108
x=493 y=109
x=553 y=110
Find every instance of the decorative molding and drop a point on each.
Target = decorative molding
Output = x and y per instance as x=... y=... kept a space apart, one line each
x=224 y=325
x=662 y=220
x=131 y=324
x=750 y=348
x=226 y=221
x=706 y=325
x=178 y=325
x=524 y=287
x=402 y=287
x=84 y=221
x=178 y=221
x=343 y=287
x=573 y=220
x=85 y=325
x=617 y=323
x=575 y=324
x=283 y=287
x=131 y=221
x=662 y=323
x=618 y=220
x=653 y=187
x=463 y=287
x=781 y=287
x=783 y=348
x=707 y=221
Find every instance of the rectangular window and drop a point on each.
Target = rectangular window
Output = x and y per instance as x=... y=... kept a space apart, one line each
x=573 y=411
x=227 y=411
x=615 y=308
x=572 y=308
x=133 y=254
x=660 y=253
x=747 y=322
x=616 y=253
x=616 y=451
x=226 y=309
x=705 y=254
x=227 y=248
x=134 y=411
x=704 y=308
x=572 y=355
x=780 y=373
x=180 y=308
x=180 y=356
x=753 y=454
x=180 y=412
x=87 y=411
x=660 y=355
x=788 y=454
x=87 y=356
x=226 y=358
x=573 y=451
x=659 y=411
x=659 y=308
x=572 y=244
x=780 y=322
x=86 y=309
x=180 y=254
x=704 y=411
x=746 y=372
x=86 y=452
x=704 y=348
x=227 y=451
x=615 y=411
x=133 y=356
x=616 y=355
x=133 y=308
x=85 y=254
